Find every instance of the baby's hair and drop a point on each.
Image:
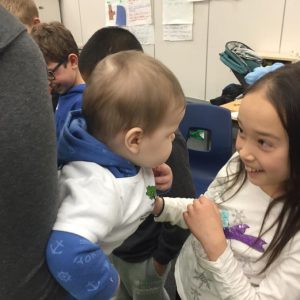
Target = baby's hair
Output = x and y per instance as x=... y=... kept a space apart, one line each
x=24 y=10
x=105 y=41
x=129 y=89
x=282 y=89
x=55 y=41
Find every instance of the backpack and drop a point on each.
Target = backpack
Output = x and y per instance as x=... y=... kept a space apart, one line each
x=241 y=59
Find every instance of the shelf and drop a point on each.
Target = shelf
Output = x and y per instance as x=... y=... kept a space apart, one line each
x=278 y=57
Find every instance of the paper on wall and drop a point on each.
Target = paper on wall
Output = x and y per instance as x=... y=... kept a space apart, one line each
x=144 y=33
x=179 y=32
x=139 y=12
x=127 y=12
x=177 y=12
x=115 y=13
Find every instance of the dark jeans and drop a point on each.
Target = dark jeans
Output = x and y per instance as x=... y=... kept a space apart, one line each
x=177 y=296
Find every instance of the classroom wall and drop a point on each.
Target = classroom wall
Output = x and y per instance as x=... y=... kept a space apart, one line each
x=264 y=25
x=48 y=10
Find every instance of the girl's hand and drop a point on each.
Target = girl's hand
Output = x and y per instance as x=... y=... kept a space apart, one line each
x=158 y=206
x=203 y=219
x=163 y=177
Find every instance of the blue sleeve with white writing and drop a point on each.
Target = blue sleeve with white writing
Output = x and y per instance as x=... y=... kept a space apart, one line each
x=81 y=267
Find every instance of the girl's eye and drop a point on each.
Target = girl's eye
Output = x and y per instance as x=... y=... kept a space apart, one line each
x=263 y=143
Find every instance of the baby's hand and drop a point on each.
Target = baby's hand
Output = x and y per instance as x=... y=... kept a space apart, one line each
x=163 y=177
x=203 y=219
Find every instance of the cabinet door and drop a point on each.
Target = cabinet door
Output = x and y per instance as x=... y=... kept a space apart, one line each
x=71 y=18
x=257 y=23
x=48 y=10
x=92 y=17
x=187 y=59
x=290 y=34
x=83 y=18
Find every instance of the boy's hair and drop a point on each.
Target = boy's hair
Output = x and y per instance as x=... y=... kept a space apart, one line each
x=129 y=89
x=105 y=41
x=24 y=10
x=55 y=41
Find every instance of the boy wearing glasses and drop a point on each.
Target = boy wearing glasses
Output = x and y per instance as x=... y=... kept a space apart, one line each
x=61 y=55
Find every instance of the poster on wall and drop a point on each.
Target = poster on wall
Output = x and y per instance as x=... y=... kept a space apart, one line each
x=128 y=12
x=178 y=32
x=177 y=19
x=134 y=15
x=115 y=13
x=144 y=33
x=177 y=12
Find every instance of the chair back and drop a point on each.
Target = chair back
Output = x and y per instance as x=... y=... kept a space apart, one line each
x=216 y=121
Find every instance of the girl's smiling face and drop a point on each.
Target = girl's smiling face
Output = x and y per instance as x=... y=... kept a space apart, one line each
x=263 y=144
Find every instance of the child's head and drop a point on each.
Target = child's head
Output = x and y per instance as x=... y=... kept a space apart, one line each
x=25 y=10
x=61 y=55
x=105 y=41
x=268 y=141
x=269 y=146
x=134 y=104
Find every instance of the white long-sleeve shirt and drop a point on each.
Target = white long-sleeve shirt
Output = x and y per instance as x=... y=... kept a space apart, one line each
x=235 y=275
x=100 y=207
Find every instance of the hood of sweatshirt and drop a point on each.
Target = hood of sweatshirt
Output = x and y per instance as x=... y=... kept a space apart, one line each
x=71 y=100
x=76 y=144
x=15 y=28
x=76 y=89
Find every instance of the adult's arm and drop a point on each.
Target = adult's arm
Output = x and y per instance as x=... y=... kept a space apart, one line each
x=28 y=195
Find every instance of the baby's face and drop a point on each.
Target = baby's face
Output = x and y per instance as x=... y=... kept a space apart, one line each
x=156 y=148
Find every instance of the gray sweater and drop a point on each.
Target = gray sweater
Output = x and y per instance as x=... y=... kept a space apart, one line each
x=28 y=188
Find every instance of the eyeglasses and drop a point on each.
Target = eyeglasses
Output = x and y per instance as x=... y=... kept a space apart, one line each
x=51 y=73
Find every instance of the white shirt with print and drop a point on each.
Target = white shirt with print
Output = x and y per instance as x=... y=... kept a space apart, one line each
x=235 y=275
x=100 y=207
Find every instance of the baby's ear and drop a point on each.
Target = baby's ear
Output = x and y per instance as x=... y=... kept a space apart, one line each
x=133 y=139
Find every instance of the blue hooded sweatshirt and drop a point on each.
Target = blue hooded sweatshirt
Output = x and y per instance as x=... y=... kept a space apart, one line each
x=67 y=102
x=76 y=144
x=70 y=255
